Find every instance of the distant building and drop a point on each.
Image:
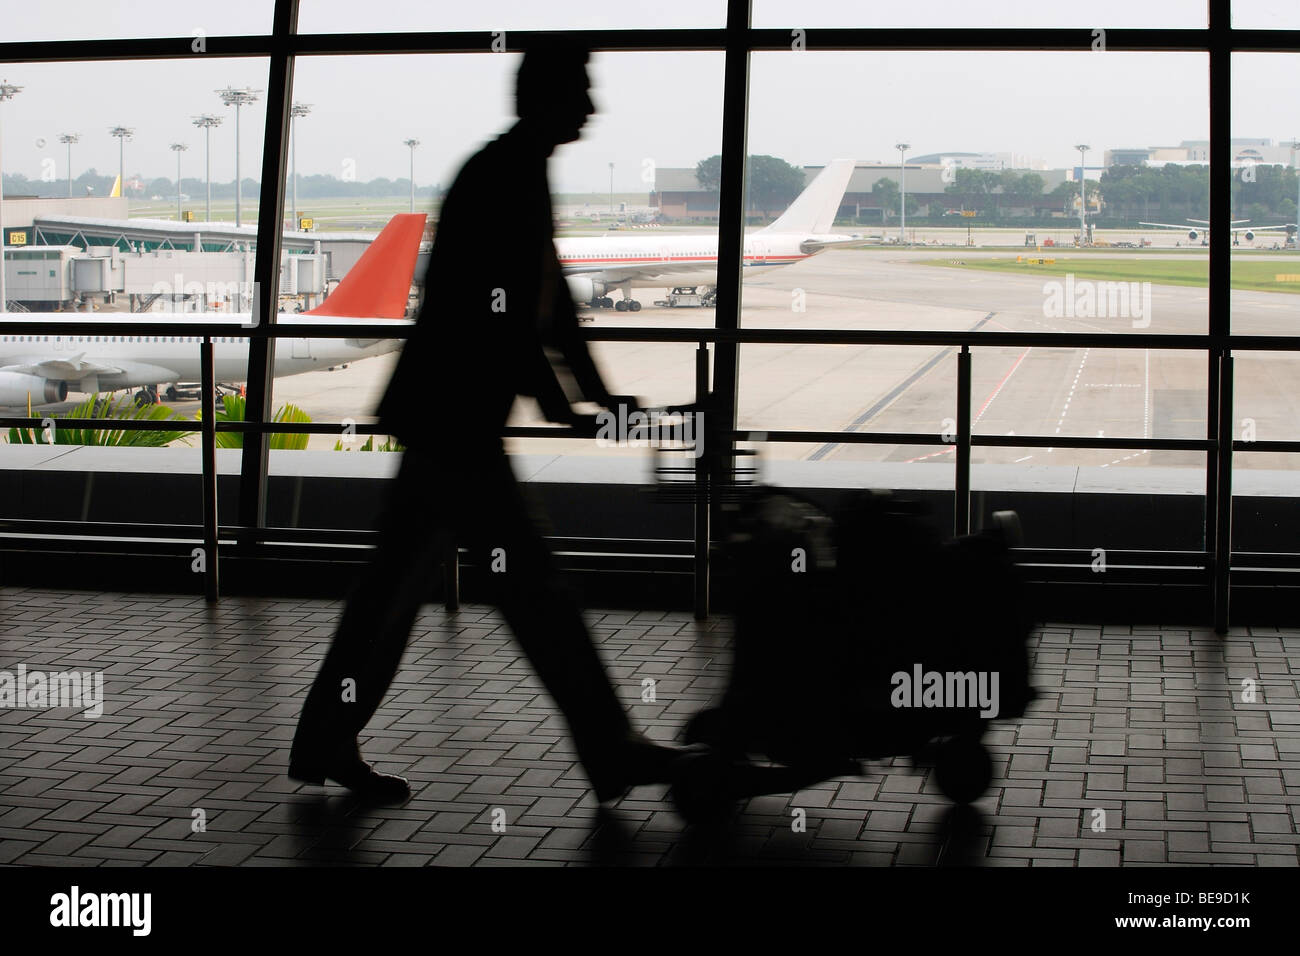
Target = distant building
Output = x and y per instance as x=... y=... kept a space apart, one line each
x=993 y=162
x=1196 y=152
x=678 y=196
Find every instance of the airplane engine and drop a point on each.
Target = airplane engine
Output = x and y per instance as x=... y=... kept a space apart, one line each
x=1193 y=235
x=1250 y=236
x=584 y=289
x=15 y=387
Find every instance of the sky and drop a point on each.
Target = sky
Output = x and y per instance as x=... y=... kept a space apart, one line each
x=654 y=109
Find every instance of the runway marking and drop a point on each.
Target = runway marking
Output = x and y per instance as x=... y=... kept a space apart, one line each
x=1073 y=385
x=893 y=393
x=1146 y=411
x=988 y=401
x=1146 y=393
x=983 y=408
x=1135 y=454
x=934 y=454
x=1026 y=458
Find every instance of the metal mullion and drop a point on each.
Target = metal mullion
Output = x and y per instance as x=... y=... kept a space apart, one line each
x=391 y=329
x=106 y=424
x=919 y=39
x=1079 y=441
x=208 y=403
x=140 y=48
x=1285 y=447
x=703 y=480
x=1261 y=41
x=1218 y=480
x=986 y=39
x=266 y=270
x=961 y=490
x=790 y=336
x=1223 y=523
x=688 y=39
x=731 y=250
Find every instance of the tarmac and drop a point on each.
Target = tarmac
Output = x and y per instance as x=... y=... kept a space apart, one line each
x=1120 y=393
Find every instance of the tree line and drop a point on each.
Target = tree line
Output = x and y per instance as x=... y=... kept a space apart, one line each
x=1127 y=193
x=93 y=183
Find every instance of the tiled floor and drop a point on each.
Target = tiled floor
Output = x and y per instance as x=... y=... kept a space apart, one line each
x=1147 y=724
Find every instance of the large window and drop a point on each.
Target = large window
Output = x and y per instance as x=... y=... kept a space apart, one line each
x=1044 y=238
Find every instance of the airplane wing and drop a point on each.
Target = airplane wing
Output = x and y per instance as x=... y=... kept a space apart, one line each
x=71 y=369
x=1289 y=227
x=1169 y=225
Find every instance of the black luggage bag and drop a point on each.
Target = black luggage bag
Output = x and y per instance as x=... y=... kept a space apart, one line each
x=858 y=636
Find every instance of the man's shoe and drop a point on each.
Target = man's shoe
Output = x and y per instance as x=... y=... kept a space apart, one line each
x=350 y=771
x=371 y=785
x=639 y=760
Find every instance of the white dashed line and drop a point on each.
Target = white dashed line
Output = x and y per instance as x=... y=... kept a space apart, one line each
x=1146 y=410
x=1073 y=386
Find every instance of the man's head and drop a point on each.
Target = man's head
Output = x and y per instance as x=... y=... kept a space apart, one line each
x=551 y=89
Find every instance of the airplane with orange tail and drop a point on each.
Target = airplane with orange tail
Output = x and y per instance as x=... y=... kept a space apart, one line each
x=43 y=369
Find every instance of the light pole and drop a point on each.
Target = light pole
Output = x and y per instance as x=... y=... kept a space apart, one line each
x=122 y=133
x=296 y=110
x=7 y=92
x=902 y=198
x=1295 y=144
x=178 y=148
x=1083 y=196
x=237 y=98
x=206 y=122
x=411 y=144
x=611 y=190
x=69 y=139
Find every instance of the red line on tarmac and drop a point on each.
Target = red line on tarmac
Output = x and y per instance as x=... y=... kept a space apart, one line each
x=988 y=401
x=983 y=408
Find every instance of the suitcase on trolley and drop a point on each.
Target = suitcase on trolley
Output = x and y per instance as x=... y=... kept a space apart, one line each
x=858 y=636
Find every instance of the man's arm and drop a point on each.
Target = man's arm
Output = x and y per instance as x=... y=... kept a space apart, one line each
x=574 y=348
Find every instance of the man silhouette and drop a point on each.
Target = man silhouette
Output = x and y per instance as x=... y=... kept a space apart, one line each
x=497 y=322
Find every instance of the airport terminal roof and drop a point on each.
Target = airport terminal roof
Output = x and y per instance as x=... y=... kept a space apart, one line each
x=173 y=231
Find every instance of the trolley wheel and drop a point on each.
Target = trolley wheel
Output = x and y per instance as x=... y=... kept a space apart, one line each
x=963 y=769
x=700 y=791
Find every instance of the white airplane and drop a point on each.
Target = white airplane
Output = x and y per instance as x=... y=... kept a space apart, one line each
x=594 y=267
x=1238 y=227
x=43 y=369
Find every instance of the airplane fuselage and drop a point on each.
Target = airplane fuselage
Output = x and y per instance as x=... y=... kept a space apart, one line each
x=658 y=261
x=148 y=360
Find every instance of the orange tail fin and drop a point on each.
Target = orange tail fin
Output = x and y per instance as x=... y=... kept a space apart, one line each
x=378 y=285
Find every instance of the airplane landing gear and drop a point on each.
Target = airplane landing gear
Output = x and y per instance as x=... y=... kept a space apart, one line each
x=627 y=305
x=148 y=395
